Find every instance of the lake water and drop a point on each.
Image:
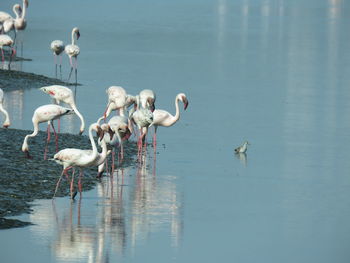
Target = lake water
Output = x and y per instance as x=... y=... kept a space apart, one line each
x=275 y=73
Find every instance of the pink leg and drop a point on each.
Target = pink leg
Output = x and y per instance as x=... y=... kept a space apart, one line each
x=113 y=157
x=47 y=141
x=72 y=186
x=64 y=171
x=56 y=136
x=80 y=185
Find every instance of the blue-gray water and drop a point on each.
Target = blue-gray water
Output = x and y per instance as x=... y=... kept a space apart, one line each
x=275 y=73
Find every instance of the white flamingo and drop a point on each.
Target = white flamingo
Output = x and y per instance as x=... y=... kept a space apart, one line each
x=64 y=94
x=57 y=47
x=6 y=41
x=143 y=118
x=7 y=122
x=21 y=22
x=46 y=113
x=165 y=119
x=117 y=99
x=147 y=99
x=73 y=51
x=72 y=157
x=7 y=21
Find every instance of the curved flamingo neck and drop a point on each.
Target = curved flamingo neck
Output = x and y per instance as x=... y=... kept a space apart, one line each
x=73 y=39
x=93 y=143
x=24 y=9
x=7 y=118
x=15 y=11
x=177 y=110
x=74 y=107
x=35 y=132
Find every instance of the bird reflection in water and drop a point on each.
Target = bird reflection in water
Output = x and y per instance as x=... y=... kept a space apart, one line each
x=242 y=157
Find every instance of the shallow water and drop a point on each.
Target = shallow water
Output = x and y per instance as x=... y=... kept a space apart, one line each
x=275 y=73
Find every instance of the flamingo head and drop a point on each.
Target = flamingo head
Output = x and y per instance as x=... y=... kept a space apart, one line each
x=107 y=129
x=47 y=90
x=77 y=32
x=26 y=3
x=6 y=125
x=100 y=133
x=183 y=98
x=19 y=8
x=152 y=107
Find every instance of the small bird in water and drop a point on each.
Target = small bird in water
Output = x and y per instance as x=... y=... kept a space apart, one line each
x=242 y=148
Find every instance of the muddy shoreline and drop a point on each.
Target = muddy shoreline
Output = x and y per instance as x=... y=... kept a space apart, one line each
x=24 y=180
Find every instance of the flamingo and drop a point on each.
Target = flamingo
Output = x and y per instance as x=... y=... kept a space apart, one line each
x=165 y=119
x=117 y=99
x=6 y=41
x=147 y=99
x=243 y=148
x=7 y=122
x=46 y=113
x=57 y=47
x=73 y=50
x=64 y=94
x=21 y=22
x=72 y=157
x=7 y=21
x=143 y=118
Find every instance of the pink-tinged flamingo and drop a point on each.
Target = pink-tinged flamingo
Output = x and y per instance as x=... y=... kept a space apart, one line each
x=6 y=41
x=6 y=16
x=147 y=99
x=119 y=131
x=21 y=22
x=7 y=21
x=143 y=118
x=165 y=119
x=72 y=157
x=73 y=51
x=46 y=113
x=117 y=99
x=57 y=47
x=7 y=122
x=64 y=94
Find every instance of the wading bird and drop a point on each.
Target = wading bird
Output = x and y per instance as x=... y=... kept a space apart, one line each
x=165 y=119
x=57 y=47
x=64 y=94
x=73 y=51
x=7 y=122
x=243 y=148
x=72 y=157
x=46 y=113
x=6 y=41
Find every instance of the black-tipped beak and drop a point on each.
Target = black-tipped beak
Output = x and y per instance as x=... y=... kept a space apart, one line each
x=26 y=3
x=81 y=132
x=111 y=132
x=152 y=107
x=185 y=104
x=100 y=133
x=78 y=35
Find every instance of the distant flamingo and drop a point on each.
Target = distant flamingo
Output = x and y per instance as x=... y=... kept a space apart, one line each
x=6 y=41
x=7 y=21
x=20 y=22
x=72 y=157
x=73 y=50
x=46 y=113
x=64 y=94
x=165 y=119
x=7 y=122
x=57 y=47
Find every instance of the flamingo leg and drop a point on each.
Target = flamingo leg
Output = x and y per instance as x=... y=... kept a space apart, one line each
x=47 y=140
x=113 y=157
x=55 y=61
x=72 y=186
x=61 y=66
x=64 y=171
x=76 y=70
x=80 y=186
x=2 y=55
x=56 y=136
x=71 y=68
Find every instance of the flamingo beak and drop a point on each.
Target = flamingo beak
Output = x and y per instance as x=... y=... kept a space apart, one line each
x=100 y=133
x=127 y=134
x=6 y=125
x=78 y=35
x=111 y=132
x=185 y=103
x=26 y=3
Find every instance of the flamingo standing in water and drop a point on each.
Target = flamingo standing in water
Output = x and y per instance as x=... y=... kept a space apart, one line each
x=46 y=113
x=143 y=118
x=6 y=41
x=73 y=51
x=165 y=119
x=21 y=22
x=147 y=99
x=72 y=157
x=7 y=122
x=64 y=94
x=57 y=47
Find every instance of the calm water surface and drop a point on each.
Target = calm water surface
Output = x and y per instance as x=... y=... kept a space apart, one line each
x=276 y=73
